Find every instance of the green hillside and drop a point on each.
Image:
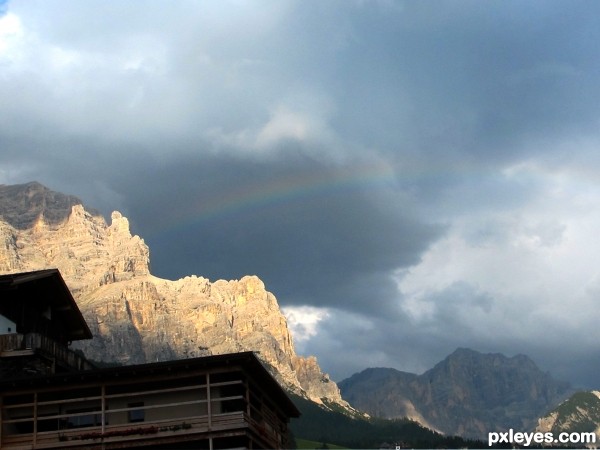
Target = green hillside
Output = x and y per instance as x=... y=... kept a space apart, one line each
x=305 y=444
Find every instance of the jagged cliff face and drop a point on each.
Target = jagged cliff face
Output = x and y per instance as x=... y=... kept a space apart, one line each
x=468 y=393
x=134 y=316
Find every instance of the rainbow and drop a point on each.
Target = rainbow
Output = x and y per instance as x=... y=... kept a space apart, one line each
x=277 y=192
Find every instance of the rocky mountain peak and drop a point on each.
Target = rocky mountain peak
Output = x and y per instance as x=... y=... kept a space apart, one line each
x=134 y=316
x=468 y=393
x=23 y=205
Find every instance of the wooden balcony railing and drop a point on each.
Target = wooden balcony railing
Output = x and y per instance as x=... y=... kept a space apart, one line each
x=133 y=435
x=45 y=346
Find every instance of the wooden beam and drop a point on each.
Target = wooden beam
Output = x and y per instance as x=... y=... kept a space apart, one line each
x=35 y=396
x=103 y=406
x=209 y=405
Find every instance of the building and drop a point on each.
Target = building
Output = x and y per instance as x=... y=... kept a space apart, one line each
x=215 y=402
x=38 y=320
x=223 y=401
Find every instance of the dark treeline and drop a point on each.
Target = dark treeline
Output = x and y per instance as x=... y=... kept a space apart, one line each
x=317 y=424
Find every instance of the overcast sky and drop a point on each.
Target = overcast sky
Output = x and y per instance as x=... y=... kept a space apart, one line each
x=407 y=177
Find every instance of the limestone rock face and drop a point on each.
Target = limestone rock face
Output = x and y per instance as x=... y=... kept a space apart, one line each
x=40 y=228
x=134 y=316
x=310 y=376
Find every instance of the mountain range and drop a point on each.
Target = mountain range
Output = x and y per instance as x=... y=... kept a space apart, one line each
x=468 y=393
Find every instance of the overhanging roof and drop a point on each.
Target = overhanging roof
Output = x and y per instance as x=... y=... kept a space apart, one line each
x=46 y=288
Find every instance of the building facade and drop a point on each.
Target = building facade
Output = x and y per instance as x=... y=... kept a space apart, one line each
x=38 y=320
x=215 y=402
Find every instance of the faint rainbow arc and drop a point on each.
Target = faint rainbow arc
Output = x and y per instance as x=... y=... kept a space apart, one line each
x=281 y=191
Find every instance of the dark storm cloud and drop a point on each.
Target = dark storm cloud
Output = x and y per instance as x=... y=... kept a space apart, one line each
x=321 y=247
x=462 y=81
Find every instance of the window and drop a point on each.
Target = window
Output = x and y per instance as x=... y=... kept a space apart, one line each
x=138 y=414
x=80 y=420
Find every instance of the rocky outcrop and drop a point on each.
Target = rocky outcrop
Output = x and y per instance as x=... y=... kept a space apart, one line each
x=22 y=205
x=468 y=393
x=134 y=316
x=580 y=413
x=310 y=376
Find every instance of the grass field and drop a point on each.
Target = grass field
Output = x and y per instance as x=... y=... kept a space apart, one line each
x=306 y=444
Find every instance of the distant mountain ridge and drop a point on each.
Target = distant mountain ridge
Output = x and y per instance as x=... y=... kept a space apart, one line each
x=467 y=394
x=136 y=317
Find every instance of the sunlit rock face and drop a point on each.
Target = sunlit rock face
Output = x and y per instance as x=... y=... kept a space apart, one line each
x=134 y=316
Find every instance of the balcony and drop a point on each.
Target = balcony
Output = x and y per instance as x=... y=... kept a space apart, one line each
x=114 y=415
x=34 y=344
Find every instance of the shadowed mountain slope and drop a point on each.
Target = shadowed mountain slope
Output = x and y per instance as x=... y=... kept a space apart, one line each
x=468 y=393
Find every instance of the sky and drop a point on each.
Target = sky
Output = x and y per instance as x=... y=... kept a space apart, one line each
x=407 y=177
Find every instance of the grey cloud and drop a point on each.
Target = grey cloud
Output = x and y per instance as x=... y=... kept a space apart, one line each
x=448 y=88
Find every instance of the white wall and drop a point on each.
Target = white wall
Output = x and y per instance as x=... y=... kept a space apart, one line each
x=7 y=326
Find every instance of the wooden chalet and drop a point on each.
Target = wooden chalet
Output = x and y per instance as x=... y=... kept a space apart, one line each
x=38 y=320
x=214 y=402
